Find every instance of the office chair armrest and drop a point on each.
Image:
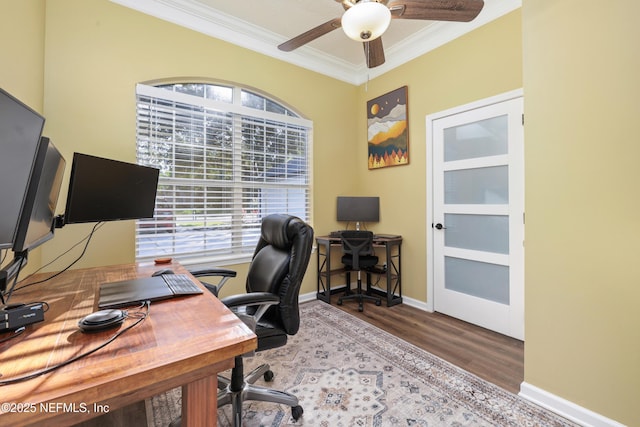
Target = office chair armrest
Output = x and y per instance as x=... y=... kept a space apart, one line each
x=252 y=298
x=263 y=300
x=224 y=273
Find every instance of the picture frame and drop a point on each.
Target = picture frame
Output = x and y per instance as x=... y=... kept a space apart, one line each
x=388 y=129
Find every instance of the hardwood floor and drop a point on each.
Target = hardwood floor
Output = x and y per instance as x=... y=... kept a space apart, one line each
x=494 y=357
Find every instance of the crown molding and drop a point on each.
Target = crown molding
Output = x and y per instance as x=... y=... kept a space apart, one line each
x=212 y=22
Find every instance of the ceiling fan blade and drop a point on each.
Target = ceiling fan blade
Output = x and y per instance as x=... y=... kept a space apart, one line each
x=436 y=10
x=310 y=35
x=374 y=52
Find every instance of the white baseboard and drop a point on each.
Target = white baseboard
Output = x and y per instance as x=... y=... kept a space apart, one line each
x=417 y=304
x=565 y=408
x=309 y=296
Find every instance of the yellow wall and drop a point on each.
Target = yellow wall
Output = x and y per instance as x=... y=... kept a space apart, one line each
x=22 y=48
x=582 y=100
x=581 y=96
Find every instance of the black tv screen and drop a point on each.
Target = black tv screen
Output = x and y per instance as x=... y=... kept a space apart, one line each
x=108 y=190
x=362 y=209
x=20 y=130
x=38 y=215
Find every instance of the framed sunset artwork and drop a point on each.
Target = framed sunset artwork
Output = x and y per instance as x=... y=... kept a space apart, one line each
x=388 y=129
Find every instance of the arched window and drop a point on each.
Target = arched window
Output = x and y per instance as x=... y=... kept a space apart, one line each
x=227 y=156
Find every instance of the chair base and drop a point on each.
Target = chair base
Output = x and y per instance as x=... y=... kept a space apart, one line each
x=236 y=390
x=231 y=394
x=360 y=296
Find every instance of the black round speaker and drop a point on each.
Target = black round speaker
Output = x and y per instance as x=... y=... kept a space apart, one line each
x=101 y=320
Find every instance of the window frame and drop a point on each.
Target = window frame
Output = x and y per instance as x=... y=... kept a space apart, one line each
x=240 y=182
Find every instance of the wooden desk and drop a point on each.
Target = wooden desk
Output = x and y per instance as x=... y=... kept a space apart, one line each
x=391 y=246
x=183 y=342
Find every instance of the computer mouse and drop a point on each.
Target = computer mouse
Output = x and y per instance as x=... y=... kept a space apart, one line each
x=163 y=271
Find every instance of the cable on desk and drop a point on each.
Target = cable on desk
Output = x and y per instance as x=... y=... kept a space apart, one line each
x=141 y=316
x=84 y=250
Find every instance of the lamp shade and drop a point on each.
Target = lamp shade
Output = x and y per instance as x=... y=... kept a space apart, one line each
x=366 y=20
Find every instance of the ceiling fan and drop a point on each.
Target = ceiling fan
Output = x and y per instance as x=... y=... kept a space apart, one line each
x=367 y=20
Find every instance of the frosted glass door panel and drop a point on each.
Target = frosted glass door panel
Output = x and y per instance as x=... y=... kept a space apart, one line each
x=476 y=223
x=488 y=233
x=478 y=139
x=478 y=186
x=479 y=279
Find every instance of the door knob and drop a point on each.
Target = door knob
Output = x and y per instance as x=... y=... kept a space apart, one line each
x=440 y=226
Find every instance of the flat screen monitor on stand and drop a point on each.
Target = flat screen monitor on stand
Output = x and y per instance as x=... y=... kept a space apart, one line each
x=103 y=189
x=20 y=131
x=358 y=209
x=37 y=219
x=30 y=174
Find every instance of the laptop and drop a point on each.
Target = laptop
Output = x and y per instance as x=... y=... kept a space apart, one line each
x=130 y=292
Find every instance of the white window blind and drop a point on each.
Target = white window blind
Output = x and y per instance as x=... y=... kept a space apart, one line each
x=227 y=158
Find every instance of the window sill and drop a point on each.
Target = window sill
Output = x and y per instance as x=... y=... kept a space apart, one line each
x=193 y=263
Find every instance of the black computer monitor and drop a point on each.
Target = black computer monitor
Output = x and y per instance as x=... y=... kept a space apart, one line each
x=20 y=130
x=108 y=190
x=38 y=215
x=358 y=209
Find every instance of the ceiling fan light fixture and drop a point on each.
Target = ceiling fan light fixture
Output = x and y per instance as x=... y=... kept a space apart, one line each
x=366 y=20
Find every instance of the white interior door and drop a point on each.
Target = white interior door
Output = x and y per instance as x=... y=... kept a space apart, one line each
x=477 y=220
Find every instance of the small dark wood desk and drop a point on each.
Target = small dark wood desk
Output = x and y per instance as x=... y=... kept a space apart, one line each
x=184 y=342
x=392 y=274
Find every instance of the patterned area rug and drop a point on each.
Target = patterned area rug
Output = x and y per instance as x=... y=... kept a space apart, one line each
x=346 y=372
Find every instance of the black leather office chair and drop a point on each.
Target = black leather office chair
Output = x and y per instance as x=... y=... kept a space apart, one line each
x=270 y=306
x=358 y=255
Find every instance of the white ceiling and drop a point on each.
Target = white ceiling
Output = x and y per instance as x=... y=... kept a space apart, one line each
x=261 y=25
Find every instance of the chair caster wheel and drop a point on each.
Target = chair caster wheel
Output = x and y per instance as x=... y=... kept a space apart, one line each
x=339 y=302
x=360 y=308
x=378 y=303
x=268 y=376
x=296 y=412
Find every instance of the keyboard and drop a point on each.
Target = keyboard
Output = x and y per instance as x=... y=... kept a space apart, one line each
x=181 y=284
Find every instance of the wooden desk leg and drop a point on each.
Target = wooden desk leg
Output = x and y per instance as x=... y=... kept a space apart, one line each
x=200 y=403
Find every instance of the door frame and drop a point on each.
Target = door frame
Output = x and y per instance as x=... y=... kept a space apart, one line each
x=430 y=118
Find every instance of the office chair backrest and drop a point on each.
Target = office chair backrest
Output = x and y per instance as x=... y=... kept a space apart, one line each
x=357 y=243
x=278 y=266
